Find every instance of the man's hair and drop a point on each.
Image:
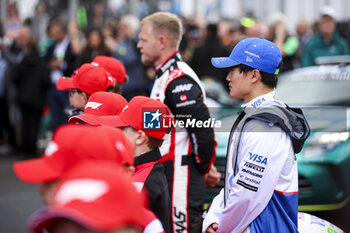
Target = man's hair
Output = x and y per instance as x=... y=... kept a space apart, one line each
x=32 y=47
x=117 y=89
x=154 y=143
x=269 y=80
x=212 y=29
x=111 y=89
x=167 y=24
x=62 y=24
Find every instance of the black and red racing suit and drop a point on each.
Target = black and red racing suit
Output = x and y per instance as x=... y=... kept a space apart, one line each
x=188 y=151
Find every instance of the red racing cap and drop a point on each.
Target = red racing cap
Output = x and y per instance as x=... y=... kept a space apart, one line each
x=100 y=104
x=96 y=195
x=88 y=78
x=113 y=66
x=72 y=144
x=143 y=113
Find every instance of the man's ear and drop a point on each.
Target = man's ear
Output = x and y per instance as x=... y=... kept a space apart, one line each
x=162 y=41
x=141 y=137
x=85 y=97
x=255 y=76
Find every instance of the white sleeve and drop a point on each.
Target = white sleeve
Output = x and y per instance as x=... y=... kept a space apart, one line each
x=214 y=211
x=154 y=227
x=263 y=151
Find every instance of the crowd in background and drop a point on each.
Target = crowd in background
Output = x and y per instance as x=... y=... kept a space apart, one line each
x=36 y=52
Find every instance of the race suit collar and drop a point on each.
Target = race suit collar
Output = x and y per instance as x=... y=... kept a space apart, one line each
x=168 y=63
x=150 y=156
x=259 y=101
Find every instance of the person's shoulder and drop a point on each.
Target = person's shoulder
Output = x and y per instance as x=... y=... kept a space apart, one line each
x=183 y=83
x=156 y=178
x=261 y=126
x=158 y=167
x=340 y=40
x=315 y=39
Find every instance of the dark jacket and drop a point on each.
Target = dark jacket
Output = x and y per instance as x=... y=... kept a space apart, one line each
x=151 y=173
x=71 y=60
x=31 y=76
x=201 y=61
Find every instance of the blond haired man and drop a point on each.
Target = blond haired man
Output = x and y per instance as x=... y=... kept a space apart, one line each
x=188 y=153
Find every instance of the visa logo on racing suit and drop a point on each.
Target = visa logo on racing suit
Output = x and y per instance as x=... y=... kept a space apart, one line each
x=182 y=87
x=257 y=158
x=258 y=102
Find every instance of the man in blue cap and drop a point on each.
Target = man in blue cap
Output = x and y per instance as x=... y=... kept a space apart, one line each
x=261 y=180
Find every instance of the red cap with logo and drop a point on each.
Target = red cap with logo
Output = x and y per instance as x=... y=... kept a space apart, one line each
x=88 y=78
x=96 y=195
x=100 y=104
x=113 y=66
x=72 y=144
x=143 y=113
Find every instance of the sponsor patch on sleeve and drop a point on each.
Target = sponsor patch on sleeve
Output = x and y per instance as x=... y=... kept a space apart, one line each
x=175 y=74
x=186 y=103
x=182 y=87
x=247 y=186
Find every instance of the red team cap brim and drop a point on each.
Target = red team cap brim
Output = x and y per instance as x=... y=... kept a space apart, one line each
x=88 y=78
x=87 y=118
x=114 y=205
x=100 y=104
x=72 y=144
x=35 y=171
x=65 y=83
x=113 y=121
x=132 y=115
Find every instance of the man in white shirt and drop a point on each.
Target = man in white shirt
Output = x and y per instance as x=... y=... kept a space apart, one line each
x=261 y=180
x=62 y=60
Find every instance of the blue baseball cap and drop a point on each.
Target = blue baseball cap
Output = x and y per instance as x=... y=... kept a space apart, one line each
x=257 y=53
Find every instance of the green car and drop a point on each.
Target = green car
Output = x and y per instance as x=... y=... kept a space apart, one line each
x=323 y=92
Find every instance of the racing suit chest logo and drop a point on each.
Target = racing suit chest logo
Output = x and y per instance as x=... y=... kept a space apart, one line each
x=182 y=88
x=257 y=158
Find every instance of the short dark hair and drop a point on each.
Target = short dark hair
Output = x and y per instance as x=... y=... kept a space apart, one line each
x=154 y=143
x=269 y=80
x=87 y=95
x=62 y=24
x=111 y=89
x=117 y=89
x=212 y=29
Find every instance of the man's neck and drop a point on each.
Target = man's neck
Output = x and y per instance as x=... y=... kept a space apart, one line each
x=140 y=150
x=62 y=39
x=164 y=57
x=327 y=38
x=256 y=93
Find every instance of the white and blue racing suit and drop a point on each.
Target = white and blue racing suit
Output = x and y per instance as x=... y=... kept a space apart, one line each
x=261 y=182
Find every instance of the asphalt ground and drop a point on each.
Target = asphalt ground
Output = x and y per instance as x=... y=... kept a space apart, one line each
x=18 y=200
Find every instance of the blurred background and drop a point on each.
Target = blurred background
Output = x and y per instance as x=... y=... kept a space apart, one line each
x=42 y=40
